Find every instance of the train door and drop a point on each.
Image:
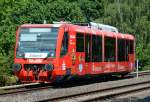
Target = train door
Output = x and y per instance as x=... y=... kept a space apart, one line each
x=93 y=54
x=110 y=54
x=88 y=53
x=130 y=54
x=96 y=55
x=125 y=55
x=122 y=57
x=80 y=55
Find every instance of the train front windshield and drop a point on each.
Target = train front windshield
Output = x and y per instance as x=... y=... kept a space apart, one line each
x=37 y=42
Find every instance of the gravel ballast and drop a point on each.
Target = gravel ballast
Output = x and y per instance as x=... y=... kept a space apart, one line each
x=58 y=92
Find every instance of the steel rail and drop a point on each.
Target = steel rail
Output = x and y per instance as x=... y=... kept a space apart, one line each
x=101 y=94
x=147 y=72
x=23 y=88
x=36 y=86
x=33 y=84
x=17 y=86
x=120 y=92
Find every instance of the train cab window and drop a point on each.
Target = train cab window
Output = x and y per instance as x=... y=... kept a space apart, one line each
x=109 y=49
x=96 y=48
x=121 y=50
x=80 y=42
x=64 y=47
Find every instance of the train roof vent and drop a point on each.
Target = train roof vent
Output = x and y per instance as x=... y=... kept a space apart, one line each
x=82 y=24
x=61 y=22
x=58 y=24
x=103 y=27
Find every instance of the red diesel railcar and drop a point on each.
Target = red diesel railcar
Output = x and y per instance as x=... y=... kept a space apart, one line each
x=45 y=52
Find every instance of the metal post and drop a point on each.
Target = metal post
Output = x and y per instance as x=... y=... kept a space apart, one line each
x=44 y=22
x=137 y=69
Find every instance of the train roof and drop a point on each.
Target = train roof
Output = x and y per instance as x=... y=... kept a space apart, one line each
x=106 y=30
x=92 y=30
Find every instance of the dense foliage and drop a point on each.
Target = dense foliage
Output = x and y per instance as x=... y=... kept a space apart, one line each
x=129 y=16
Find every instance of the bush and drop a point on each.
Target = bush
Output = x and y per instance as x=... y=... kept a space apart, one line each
x=7 y=80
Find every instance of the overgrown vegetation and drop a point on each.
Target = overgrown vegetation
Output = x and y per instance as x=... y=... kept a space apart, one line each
x=129 y=16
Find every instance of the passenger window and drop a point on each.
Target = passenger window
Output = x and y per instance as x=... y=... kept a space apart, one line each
x=131 y=46
x=122 y=50
x=96 y=48
x=64 y=47
x=109 y=49
x=80 y=42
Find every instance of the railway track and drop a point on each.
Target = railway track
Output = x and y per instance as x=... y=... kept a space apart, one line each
x=141 y=73
x=36 y=86
x=23 y=88
x=102 y=94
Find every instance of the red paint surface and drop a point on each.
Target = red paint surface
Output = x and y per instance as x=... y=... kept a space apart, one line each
x=72 y=59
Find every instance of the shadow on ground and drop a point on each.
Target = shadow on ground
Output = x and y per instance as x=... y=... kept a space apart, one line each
x=80 y=81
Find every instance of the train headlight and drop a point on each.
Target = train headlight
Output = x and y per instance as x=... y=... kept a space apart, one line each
x=49 y=67
x=16 y=67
